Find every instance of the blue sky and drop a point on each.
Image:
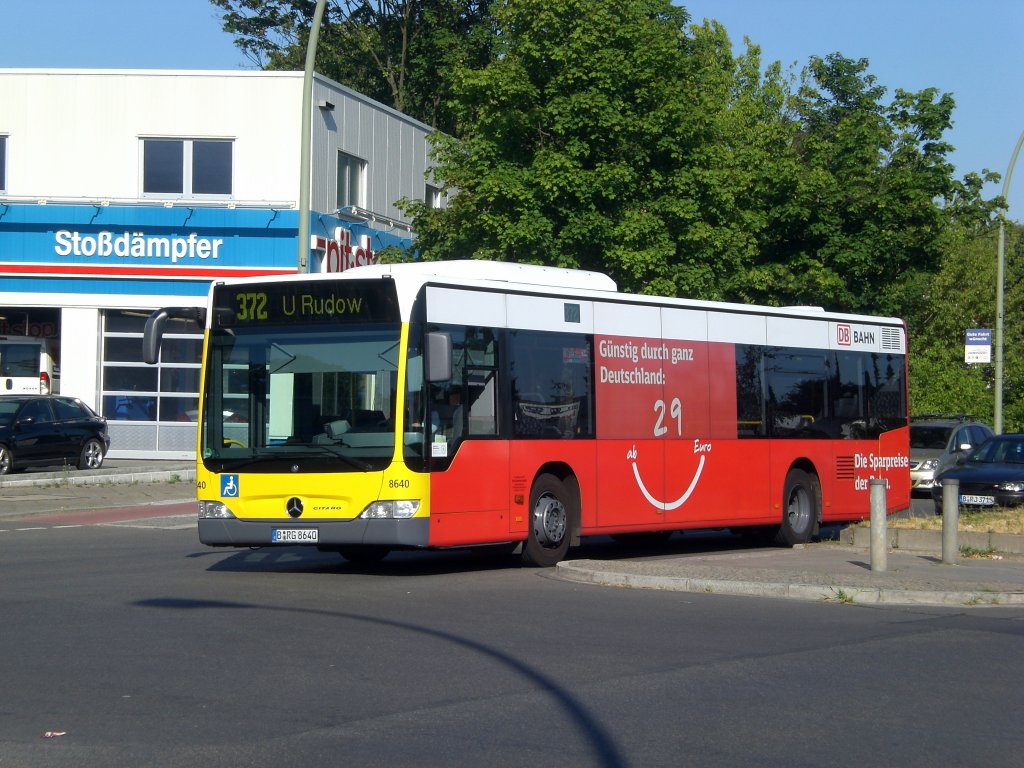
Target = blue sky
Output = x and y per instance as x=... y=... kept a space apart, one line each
x=969 y=48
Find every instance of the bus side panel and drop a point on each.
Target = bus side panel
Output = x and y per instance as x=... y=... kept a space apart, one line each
x=727 y=482
x=631 y=484
x=849 y=500
x=469 y=502
x=857 y=462
x=789 y=452
x=689 y=483
x=895 y=447
x=529 y=458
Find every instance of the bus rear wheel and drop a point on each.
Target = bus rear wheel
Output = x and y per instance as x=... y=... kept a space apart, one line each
x=552 y=515
x=801 y=507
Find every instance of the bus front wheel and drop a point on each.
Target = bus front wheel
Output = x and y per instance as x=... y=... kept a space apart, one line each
x=801 y=506
x=551 y=520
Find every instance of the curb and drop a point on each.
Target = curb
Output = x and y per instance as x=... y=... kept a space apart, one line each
x=915 y=540
x=583 y=571
x=97 y=477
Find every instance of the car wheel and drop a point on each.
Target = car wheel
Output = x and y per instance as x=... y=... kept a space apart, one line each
x=92 y=455
x=6 y=460
x=801 y=505
x=552 y=516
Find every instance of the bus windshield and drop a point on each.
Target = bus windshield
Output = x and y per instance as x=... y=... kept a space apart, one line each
x=316 y=397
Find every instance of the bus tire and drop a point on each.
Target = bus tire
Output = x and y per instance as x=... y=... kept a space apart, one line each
x=91 y=456
x=552 y=516
x=801 y=507
x=363 y=554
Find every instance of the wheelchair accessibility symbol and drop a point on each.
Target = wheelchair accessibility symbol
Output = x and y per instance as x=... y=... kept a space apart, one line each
x=229 y=486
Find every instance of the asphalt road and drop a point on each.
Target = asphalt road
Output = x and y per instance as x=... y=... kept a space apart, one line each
x=129 y=643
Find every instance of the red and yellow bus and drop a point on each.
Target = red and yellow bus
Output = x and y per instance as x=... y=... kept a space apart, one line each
x=468 y=403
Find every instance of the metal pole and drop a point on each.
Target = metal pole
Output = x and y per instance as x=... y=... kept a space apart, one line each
x=879 y=537
x=1000 y=270
x=307 y=124
x=950 y=515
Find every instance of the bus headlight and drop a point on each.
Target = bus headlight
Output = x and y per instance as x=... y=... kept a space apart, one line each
x=391 y=510
x=215 y=510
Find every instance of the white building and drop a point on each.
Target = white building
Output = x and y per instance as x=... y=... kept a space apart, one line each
x=122 y=191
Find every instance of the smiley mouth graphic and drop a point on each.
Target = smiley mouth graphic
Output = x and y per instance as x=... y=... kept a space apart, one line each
x=663 y=505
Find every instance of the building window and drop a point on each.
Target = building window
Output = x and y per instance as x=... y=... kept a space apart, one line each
x=3 y=163
x=137 y=398
x=433 y=196
x=186 y=167
x=351 y=175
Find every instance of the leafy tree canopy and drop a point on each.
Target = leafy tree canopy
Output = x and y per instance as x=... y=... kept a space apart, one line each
x=399 y=52
x=613 y=136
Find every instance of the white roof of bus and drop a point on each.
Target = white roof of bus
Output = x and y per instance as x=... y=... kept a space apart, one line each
x=477 y=273
x=500 y=271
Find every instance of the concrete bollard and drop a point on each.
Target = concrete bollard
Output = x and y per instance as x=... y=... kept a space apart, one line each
x=950 y=521
x=879 y=537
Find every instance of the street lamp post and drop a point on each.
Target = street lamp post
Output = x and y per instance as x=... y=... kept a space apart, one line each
x=307 y=126
x=1000 y=271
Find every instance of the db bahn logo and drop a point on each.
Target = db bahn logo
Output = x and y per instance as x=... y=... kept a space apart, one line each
x=844 y=335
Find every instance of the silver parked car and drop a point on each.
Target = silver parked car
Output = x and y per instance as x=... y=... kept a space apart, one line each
x=937 y=442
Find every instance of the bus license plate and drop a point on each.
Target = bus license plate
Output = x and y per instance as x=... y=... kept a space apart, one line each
x=294 y=535
x=981 y=501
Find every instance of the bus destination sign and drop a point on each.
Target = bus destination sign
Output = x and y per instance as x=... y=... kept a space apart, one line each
x=318 y=302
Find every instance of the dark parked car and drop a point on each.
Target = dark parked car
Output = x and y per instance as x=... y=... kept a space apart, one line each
x=937 y=442
x=37 y=430
x=991 y=476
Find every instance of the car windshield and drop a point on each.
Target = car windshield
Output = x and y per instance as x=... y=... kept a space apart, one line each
x=929 y=437
x=1000 y=450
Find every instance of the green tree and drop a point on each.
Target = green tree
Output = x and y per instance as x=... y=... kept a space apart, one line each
x=611 y=136
x=875 y=202
x=959 y=296
x=597 y=138
x=399 y=52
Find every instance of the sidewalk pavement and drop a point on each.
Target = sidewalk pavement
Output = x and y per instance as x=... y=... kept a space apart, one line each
x=826 y=571
x=118 y=483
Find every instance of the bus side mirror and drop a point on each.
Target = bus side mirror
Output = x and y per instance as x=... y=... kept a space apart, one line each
x=153 y=333
x=439 y=357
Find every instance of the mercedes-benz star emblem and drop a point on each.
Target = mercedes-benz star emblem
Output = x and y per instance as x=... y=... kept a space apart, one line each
x=294 y=506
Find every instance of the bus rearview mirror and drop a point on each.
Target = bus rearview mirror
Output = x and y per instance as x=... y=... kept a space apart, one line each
x=439 y=357
x=154 y=330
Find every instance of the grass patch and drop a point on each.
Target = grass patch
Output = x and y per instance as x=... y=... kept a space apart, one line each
x=840 y=595
x=976 y=553
x=998 y=520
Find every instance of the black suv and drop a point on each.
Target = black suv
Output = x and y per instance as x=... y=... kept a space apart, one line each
x=936 y=442
x=37 y=430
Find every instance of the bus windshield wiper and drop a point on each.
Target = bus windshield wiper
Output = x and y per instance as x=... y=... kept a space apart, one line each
x=333 y=451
